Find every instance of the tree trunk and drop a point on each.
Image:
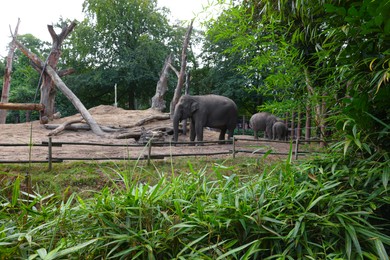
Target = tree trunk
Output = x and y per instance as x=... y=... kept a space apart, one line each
x=308 y=123
x=186 y=92
x=65 y=90
x=48 y=90
x=180 y=80
x=131 y=99
x=293 y=125
x=299 y=129
x=322 y=122
x=158 y=102
x=7 y=74
x=21 y=106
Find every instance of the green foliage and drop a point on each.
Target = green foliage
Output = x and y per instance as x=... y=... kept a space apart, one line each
x=124 y=43
x=328 y=207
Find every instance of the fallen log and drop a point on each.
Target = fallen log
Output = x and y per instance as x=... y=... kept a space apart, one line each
x=134 y=134
x=63 y=125
x=82 y=126
x=21 y=106
x=73 y=127
x=147 y=119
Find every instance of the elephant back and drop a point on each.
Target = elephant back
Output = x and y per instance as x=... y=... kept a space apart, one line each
x=258 y=121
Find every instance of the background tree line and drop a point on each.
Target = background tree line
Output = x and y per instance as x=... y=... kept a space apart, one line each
x=329 y=59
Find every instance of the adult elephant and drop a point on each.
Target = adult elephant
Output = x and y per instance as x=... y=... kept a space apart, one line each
x=259 y=122
x=279 y=131
x=206 y=111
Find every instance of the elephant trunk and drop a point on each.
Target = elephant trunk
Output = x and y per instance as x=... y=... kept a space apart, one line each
x=176 y=120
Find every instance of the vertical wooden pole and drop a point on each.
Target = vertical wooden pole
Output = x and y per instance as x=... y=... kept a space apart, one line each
x=308 y=123
x=234 y=147
x=50 y=153
x=149 y=150
x=243 y=125
x=322 y=124
x=299 y=128
x=292 y=124
x=296 y=149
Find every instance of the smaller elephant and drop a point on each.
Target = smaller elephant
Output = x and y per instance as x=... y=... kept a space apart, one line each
x=271 y=120
x=279 y=131
x=258 y=122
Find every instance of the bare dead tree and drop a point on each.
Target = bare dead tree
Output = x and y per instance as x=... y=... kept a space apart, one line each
x=158 y=102
x=48 y=90
x=7 y=74
x=181 y=76
x=48 y=70
x=186 y=92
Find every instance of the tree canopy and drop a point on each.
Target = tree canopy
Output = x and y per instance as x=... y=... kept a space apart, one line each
x=328 y=57
x=124 y=43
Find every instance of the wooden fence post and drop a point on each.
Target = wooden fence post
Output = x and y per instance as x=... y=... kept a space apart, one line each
x=296 y=149
x=149 y=150
x=234 y=147
x=49 y=153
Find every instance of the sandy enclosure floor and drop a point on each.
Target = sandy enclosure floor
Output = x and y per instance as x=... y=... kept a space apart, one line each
x=35 y=133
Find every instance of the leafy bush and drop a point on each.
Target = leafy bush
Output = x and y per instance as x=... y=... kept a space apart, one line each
x=323 y=208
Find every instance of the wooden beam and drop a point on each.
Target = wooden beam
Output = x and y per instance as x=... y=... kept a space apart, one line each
x=21 y=106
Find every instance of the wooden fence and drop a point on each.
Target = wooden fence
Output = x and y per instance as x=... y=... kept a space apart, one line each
x=149 y=150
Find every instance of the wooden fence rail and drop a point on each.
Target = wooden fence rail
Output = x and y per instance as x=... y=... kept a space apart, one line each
x=146 y=151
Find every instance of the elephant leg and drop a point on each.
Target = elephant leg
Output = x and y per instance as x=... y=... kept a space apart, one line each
x=268 y=132
x=230 y=133
x=199 y=131
x=222 y=134
x=192 y=131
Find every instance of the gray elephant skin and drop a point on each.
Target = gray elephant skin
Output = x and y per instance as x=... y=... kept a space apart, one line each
x=206 y=111
x=279 y=131
x=260 y=121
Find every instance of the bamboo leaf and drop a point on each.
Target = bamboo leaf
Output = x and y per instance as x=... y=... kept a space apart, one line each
x=352 y=235
x=381 y=250
x=385 y=176
x=346 y=145
x=188 y=246
x=15 y=192
x=348 y=245
x=235 y=250
x=313 y=203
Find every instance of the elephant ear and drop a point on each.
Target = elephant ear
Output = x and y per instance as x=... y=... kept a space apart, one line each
x=194 y=107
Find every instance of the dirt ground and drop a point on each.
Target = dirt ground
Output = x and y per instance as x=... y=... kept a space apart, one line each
x=35 y=133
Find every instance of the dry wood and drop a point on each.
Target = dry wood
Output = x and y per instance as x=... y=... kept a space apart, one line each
x=65 y=90
x=182 y=73
x=73 y=127
x=63 y=126
x=48 y=90
x=21 y=106
x=136 y=134
x=7 y=74
x=147 y=119
x=158 y=101
x=77 y=127
x=174 y=70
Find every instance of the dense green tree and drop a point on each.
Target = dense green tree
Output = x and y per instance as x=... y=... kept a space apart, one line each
x=331 y=54
x=246 y=58
x=122 y=42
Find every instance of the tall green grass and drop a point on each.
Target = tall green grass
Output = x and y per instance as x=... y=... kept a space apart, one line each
x=305 y=211
x=328 y=207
